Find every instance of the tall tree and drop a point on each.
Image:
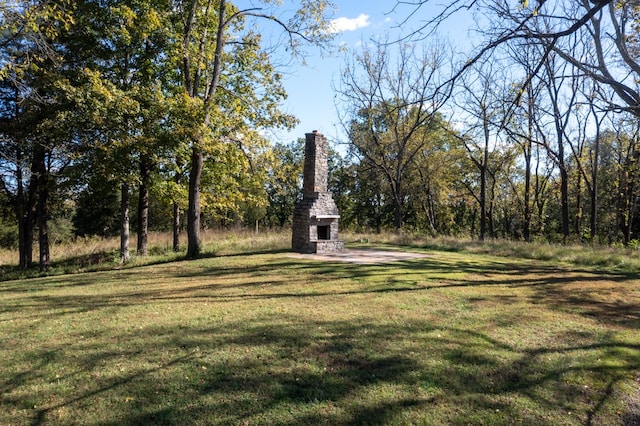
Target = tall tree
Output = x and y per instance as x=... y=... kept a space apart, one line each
x=125 y=50
x=432 y=177
x=31 y=103
x=482 y=100
x=221 y=60
x=389 y=99
x=521 y=128
x=585 y=147
x=561 y=83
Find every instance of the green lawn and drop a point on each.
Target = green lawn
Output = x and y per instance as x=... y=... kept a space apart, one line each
x=264 y=338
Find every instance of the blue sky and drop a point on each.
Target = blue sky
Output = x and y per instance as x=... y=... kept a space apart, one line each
x=311 y=97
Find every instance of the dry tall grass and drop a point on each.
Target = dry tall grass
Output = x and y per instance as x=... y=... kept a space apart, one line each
x=105 y=251
x=93 y=250
x=620 y=258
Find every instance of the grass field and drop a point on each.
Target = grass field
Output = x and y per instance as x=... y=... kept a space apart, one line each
x=250 y=335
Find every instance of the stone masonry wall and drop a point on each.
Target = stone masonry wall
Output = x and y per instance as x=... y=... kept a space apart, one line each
x=316 y=164
x=317 y=208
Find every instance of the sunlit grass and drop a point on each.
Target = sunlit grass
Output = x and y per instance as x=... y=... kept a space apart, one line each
x=90 y=254
x=575 y=254
x=93 y=253
x=250 y=335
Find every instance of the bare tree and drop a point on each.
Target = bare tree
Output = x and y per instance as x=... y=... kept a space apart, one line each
x=389 y=100
x=522 y=130
x=624 y=164
x=588 y=136
x=561 y=101
x=481 y=99
x=609 y=27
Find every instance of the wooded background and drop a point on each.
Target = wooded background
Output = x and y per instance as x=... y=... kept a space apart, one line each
x=153 y=112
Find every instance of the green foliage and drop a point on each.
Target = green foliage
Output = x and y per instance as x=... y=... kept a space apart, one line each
x=92 y=90
x=27 y=33
x=430 y=178
x=8 y=235
x=284 y=182
x=342 y=181
x=233 y=183
x=97 y=208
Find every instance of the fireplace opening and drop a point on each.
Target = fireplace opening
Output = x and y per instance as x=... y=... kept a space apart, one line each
x=323 y=232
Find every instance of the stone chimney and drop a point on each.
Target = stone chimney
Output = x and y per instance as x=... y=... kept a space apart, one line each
x=315 y=217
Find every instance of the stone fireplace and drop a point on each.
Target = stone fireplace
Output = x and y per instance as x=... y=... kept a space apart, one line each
x=315 y=217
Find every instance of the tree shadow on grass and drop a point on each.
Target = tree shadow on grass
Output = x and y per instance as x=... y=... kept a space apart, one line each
x=279 y=278
x=283 y=369
x=238 y=389
x=289 y=370
x=611 y=306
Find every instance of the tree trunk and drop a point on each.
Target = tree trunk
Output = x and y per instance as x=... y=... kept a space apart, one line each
x=378 y=214
x=622 y=204
x=564 y=180
x=397 y=215
x=143 y=207
x=483 y=202
x=26 y=223
x=124 y=223
x=526 y=232
x=28 y=206
x=176 y=227
x=632 y=215
x=427 y=208
x=483 y=182
x=594 y=189
x=564 y=195
x=25 y=230
x=579 y=212
x=397 y=204
x=492 y=203
x=177 y=220
x=194 y=245
x=433 y=223
x=25 y=233
x=42 y=213
x=43 y=231
x=628 y=211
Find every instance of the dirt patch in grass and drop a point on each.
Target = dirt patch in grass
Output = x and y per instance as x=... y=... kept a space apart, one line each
x=631 y=414
x=362 y=256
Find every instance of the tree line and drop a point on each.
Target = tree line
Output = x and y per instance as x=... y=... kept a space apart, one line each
x=120 y=114
x=532 y=134
x=126 y=96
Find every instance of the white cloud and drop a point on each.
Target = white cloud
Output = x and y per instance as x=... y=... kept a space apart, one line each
x=342 y=24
